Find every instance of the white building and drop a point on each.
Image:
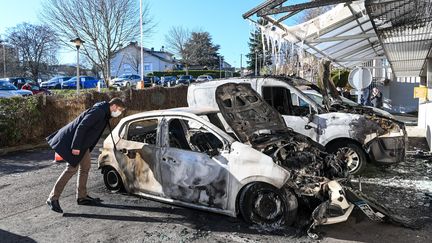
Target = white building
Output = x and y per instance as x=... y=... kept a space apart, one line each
x=127 y=60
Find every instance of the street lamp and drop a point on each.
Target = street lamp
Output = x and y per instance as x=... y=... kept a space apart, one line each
x=78 y=42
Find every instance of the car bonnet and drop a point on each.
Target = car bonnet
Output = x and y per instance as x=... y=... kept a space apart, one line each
x=246 y=112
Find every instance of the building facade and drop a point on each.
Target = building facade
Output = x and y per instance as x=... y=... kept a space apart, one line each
x=127 y=61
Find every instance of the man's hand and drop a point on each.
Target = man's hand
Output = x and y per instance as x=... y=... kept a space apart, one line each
x=75 y=152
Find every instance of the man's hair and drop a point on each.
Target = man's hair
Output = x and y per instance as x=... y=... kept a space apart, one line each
x=117 y=101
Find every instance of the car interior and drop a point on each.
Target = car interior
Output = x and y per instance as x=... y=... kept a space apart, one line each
x=144 y=131
x=189 y=135
x=280 y=99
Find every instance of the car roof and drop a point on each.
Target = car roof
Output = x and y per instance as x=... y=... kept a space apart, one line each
x=182 y=111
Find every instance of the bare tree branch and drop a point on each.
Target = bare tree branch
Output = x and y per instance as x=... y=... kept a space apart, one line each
x=37 y=47
x=104 y=25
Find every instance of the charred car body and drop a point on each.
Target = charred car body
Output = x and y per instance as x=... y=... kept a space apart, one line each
x=360 y=133
x=261 y=170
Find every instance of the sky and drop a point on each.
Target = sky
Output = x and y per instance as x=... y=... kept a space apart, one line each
x=221 y=18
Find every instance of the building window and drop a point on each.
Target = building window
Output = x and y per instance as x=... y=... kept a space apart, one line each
x=148 y=67
x=127 y=68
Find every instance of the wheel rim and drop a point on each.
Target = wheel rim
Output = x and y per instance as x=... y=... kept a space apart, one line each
x=112 y=179
x=351 y=157
x=268 y=206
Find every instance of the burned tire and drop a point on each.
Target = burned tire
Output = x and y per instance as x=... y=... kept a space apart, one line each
x=354 y=154
x=261 y=203
x=112 y=179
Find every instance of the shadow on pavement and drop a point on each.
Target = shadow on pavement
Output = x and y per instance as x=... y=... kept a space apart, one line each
x=8 y=237
x=194 y=218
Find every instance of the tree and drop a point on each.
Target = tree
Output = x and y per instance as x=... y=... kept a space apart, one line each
x=9 y=62
x=256 y=52
x=176 y=40
x=104 y=25
x=37 y=47
x=200 y=50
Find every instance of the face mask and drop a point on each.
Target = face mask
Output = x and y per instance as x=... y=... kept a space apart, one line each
x=116 y=113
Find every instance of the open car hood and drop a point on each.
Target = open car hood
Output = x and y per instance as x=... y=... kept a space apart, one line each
x=247 y=113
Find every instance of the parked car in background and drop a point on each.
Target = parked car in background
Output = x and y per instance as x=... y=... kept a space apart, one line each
x=18 y=82
x=86 y=82
x=54 y=83
x=126 y=80
x=35 y=88
x=8 y=90
x=168 y=81
x=203 y=78
x=185 y=79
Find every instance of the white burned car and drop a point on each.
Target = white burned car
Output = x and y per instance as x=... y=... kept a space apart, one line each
x=361 y=134
x=260 y=170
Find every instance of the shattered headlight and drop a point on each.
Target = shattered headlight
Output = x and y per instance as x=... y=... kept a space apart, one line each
x=388 y=126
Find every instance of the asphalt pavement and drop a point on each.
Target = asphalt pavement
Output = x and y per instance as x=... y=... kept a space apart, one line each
x=26 y=179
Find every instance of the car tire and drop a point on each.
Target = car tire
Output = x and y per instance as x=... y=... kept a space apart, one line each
x=112 y=179
x=263 y=204
x=127 y=85
x=356 y=156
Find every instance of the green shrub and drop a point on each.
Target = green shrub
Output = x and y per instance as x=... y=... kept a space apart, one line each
x=340 y=77
x=25 y=120
x=20 y=119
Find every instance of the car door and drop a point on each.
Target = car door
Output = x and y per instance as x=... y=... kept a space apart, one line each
x=296 y=115
x=193 y=163
x=138 y=156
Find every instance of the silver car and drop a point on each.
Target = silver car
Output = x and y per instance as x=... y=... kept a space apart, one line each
x=126 y=80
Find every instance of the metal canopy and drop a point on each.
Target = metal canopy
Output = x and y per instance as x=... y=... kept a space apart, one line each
x=404 y=28
x=355 y=32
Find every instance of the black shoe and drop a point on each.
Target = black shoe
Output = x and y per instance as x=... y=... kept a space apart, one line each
x=54 y=205
x=89 y=201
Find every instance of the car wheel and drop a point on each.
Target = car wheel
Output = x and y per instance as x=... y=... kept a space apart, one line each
x=262 y=203
x=127 y=85
x=354 y=155
x=112 y=179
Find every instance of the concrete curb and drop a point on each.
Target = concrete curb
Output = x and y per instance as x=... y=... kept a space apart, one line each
x=4 y=151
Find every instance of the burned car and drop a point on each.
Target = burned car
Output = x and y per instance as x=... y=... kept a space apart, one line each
x=360 y=134
x=260 y=169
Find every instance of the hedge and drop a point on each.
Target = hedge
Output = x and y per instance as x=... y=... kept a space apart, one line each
x=25 y=120
x=196 y=73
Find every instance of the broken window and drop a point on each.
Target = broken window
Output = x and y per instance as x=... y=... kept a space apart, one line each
x=191 y=135
x=144 y=131
x=278 y=97
x=299 y=106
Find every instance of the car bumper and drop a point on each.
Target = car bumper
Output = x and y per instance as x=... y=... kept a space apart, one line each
x=49 y=86
x=388 y=149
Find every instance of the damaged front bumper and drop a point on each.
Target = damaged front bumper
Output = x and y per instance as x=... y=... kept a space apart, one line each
x=340 y=204
x=388 y=149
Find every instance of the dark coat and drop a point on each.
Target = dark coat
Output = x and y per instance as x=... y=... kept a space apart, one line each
x=82 y=133
x=377 y=100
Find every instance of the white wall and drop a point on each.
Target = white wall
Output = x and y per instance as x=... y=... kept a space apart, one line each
x=425 y=107
x=121 y=62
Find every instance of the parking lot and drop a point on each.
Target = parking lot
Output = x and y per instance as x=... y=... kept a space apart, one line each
x=27 y=177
